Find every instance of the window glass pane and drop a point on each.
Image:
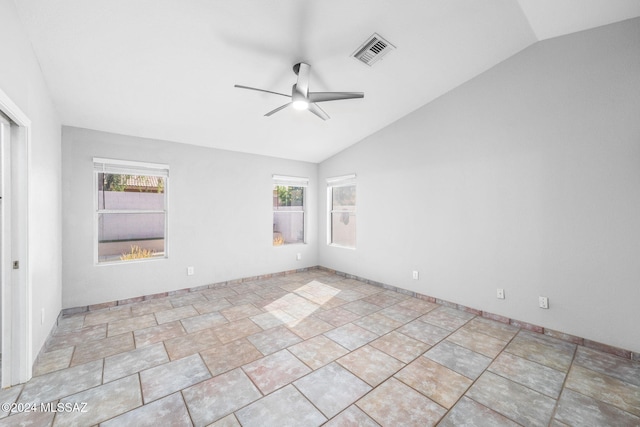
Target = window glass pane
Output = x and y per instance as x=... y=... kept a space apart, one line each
x=126 y=236
x=343 y=229
x=136 y=192
x=288 y=198
x=344 y=198
x=288 y=227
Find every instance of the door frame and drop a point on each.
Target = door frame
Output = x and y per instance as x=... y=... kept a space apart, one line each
x=17 y=342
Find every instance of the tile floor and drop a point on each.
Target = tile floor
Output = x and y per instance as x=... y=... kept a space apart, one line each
x=312 y=348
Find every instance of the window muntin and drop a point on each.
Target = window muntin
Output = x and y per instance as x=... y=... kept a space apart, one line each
x=289 y=200
x=131 y=210
x=342 y=211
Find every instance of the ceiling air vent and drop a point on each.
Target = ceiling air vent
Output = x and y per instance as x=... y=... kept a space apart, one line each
x=373 y=50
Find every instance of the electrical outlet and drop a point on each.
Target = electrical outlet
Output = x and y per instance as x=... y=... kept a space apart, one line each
x=190 y=271
x=298 y=256
x=416 y=275
x=543 y=302
x=500 y=293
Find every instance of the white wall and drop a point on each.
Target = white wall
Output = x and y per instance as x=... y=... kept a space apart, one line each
x=220 y=218
x=526 y=178
x=22 y=81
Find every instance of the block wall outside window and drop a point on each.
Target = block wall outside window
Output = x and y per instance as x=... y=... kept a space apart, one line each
x=131 y=210
x=289 y=200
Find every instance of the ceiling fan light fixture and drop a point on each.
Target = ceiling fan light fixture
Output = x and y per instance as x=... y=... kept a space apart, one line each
x=300 y=104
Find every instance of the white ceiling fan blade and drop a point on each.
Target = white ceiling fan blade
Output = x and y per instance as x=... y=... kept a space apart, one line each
x=302 y=85
x=315 y=109
x=261 y=90
x=277 y=109
x=333 y=96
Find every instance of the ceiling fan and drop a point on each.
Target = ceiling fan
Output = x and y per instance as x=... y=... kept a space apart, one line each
x=302 y=99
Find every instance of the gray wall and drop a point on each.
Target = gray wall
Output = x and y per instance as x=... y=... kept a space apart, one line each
x=220 y=218
x=21 y=80
x=526 y=178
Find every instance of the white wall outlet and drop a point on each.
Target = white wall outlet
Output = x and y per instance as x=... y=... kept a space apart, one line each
x=416 y=275
x=298 y=256
x=500 y=293
x=190 y=271
x=543 y=302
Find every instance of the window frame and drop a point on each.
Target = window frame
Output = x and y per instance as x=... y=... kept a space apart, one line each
x=121 y=167
x=292 y=181
x=336 y=182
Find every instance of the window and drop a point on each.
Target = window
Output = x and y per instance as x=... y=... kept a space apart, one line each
x=341 y=202
x=288 y=209
x=131 y=210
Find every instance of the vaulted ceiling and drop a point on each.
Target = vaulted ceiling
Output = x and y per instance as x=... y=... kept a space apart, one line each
x=166 y=69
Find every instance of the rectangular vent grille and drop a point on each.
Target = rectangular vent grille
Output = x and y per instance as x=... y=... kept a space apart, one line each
x=373 y=50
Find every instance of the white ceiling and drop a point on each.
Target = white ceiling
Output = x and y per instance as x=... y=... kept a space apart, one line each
x=165 y=69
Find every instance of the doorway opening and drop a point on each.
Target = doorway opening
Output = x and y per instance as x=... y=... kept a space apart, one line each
x=15 y=283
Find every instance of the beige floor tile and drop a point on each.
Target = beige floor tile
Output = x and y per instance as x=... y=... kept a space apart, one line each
x=447 y=318
x=225 y=357
x=275 y=371
x=218 y=397
x=211 y=306
x=418 y=305
x=228 y=421
x=352 y=417
x=179 y=313
x=150 y=306
x=133 y=361
x=438 y=383
x=396 y=404
x=580 y=410
x=332 y=388
x=240 y=312
x=75 y=337
x=168 y=378
x=492 y=328
x=371 y=365
x=272 y=318
x=154 y=334
x=59 y=384
x=318 y=351
x=203 y=321
x=607 y=389
x=99 y=349
x=478 y=342
x=186 y=345
x=236 y=330
x=337 y=316
x=285 y=407
x=516 y=402
x=309 y=327
x=378 y=323
x=274 y=339
x=107 y=315
x=351 y=336
x=103 y=402
x=424 y=332
x=122 y=326
x=538 y=377
x=31 y=419
x=400 y=346
x=52 y=361
x=542 y=349
x=171 y=410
